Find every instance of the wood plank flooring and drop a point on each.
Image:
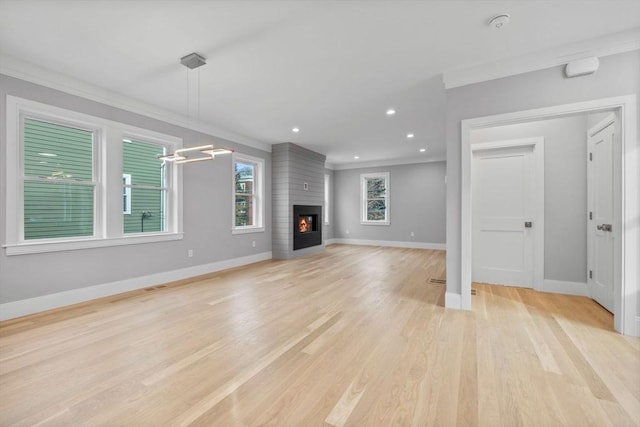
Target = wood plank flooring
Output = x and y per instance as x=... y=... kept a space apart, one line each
x=353 y=336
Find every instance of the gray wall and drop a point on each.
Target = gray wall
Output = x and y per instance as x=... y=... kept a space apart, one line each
x=207 y=214
x=417 y=202
x=618 y=75
x=565 y=190
x=292 y=167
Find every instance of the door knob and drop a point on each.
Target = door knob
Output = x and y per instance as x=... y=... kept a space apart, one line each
x=604 y=227
x=528 y=224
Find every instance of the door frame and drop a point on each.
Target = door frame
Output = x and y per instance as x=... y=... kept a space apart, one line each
x=626 y=200
x=537 y=212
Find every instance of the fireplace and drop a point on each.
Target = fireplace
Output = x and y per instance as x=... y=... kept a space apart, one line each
x=307 y=226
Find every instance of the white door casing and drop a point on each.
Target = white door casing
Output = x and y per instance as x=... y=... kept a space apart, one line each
x=600 y=236
x=626 y=224
x=507 y=192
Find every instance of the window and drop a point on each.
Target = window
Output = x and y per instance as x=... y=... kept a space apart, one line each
x=66 y=188
x=147 y=187
x=248 y=200
x=327 y=186
x=58 y=184
x=375 y=198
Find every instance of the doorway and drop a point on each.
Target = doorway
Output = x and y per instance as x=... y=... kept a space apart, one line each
x=626 y=235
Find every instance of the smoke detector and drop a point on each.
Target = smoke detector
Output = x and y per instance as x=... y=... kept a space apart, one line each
x=499 y=21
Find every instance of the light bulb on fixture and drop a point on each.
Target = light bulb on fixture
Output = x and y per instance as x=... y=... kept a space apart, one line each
x=295 y=130
x=410 y=135
x=391 y=112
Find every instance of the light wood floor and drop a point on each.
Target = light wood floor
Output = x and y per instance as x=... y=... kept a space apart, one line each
x=354 y=336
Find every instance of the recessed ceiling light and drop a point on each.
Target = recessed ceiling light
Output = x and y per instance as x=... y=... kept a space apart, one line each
x=410 y=135
x=356 y=157
x=422 y=150
x=295 y=130
x=391 y=112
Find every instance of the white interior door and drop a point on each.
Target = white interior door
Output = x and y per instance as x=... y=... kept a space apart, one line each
x=600 y=233
x=502 y=215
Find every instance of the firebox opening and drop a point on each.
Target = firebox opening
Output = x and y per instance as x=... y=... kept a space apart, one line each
x=307 y=226
x=307 y=223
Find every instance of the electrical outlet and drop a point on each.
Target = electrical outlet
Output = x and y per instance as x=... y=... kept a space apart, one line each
x=190 y=253
x=253 y=243
x=412 y=234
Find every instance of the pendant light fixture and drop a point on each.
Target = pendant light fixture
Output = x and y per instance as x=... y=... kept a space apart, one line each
x=200 y=152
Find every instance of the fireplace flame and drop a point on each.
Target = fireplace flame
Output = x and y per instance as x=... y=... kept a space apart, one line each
x=303 y=225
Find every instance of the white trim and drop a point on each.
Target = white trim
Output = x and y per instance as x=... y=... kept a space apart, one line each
x=258 y=193
x=565 y=287
x=107 y=177
x=538 y=198
x=13 y=67
x=627 y=204
x=24 y=307
x=378 y=163
x=387 y=243
x=452 y=300
x=611 y=44
x=38 y=247
x=364 y=177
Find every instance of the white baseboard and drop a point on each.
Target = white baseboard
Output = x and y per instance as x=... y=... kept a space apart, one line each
x=388 y=243
x=564 y=287
x=24 y=307
x=452 y=300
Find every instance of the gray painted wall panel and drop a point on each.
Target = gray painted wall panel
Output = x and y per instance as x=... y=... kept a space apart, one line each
x=207 y=214
x=565 y=188
x=618 y=75
x=417 y=202
x=296 y=165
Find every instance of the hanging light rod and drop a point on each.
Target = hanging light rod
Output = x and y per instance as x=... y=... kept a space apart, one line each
x=202 y=152
x=197 y=153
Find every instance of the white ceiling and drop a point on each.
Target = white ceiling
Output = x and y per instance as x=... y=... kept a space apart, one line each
x=332 y=68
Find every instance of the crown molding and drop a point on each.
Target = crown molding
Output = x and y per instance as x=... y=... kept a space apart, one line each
x=611 y=44
x=13 y=67
x=388 y=162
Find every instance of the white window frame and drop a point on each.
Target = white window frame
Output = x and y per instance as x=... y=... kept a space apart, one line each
x=258 y=189
x=108 y=215
x=166 y=180
x=327 y=198
x=363 y=198
x=126 y=192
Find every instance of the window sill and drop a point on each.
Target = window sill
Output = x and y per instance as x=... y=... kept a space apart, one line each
x=247 y=230
x=72 y=245
x=375 y=222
